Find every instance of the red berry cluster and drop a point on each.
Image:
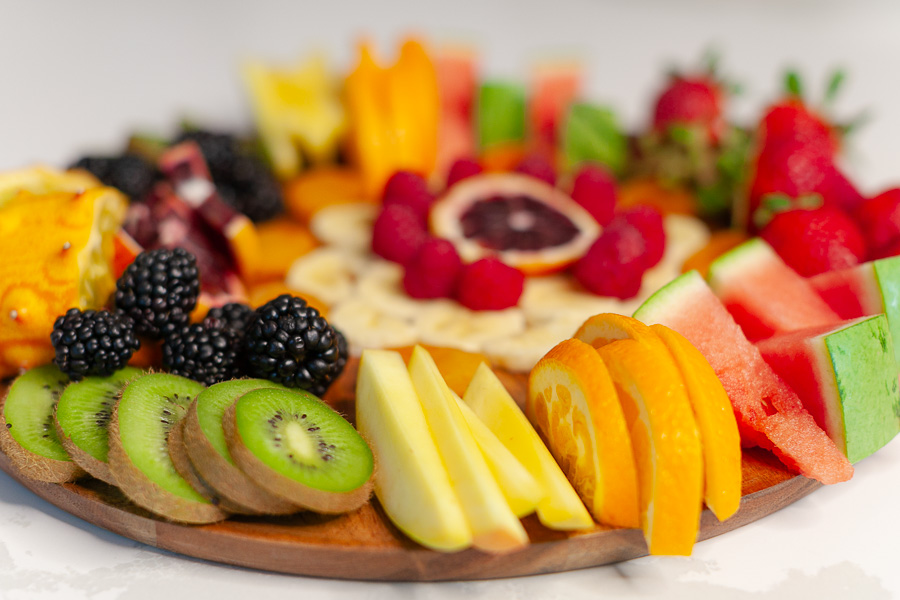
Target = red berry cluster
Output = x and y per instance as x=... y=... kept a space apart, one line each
x=433 y=268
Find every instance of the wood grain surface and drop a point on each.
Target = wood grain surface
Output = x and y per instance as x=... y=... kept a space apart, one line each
x=364 y=545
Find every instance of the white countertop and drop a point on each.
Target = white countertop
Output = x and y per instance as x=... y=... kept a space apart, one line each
x=80 y=77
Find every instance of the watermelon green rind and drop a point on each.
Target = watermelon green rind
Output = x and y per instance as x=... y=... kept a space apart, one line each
x=866 y=375
x=887 y=274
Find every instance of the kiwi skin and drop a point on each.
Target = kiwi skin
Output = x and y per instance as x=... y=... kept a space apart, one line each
x=229 y=481
x=146 y=493
x=188 y=470
x=29 y=464
x=316 y=500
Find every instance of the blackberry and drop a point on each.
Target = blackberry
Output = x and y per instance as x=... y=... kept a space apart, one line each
x=92 y=342
x=242 y=179
x=233 y=315
x=288 y=342
x=129 y=173
x=204 y=352
x=159 y=290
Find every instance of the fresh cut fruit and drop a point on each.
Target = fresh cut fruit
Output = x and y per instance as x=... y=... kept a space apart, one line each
x=27 y=435
x=769 y=413
x=561 y=508
x=494 y=526
x=299 y=449
x=763 y=294
x=411 y=482
x=871 y=288
x=846 y=376
x=573 y=404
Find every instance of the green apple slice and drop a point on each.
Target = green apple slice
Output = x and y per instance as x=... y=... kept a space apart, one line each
x=561 y=508
x=411 y=482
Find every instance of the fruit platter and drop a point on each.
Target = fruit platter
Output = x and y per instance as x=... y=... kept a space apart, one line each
x=419 y=324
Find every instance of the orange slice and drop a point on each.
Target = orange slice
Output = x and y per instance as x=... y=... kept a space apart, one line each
x=665 y=441
x=572 y=402
x=606 y=328
x=715 y=420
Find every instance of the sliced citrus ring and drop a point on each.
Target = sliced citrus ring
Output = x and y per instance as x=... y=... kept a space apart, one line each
x=57 y=254
x=606 y=328
x=665 y=440
x=525 y=222
x=715 y=420
x=572 y=402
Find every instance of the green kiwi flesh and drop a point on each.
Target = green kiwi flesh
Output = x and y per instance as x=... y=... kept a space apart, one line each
x=27 y=433
x=298 y=448
x=139 y=457
x=207 y=450
x=82 y=419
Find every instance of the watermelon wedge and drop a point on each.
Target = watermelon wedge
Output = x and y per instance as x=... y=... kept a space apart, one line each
x=868 y=289
x=846 y=377
x=769 y=413
x=764 y=295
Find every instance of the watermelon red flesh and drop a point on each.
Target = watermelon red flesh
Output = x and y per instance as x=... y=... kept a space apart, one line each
x=554 y=89
x=456 y=73
x=769 y=413
x=846 y=377
x=764 y=295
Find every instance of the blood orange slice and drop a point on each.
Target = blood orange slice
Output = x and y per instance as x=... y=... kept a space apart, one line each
x=525 y=222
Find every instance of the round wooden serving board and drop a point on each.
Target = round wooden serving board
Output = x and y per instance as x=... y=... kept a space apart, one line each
x=364 y=545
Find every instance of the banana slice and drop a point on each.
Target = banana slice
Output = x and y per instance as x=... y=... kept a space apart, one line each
x=446 y=323
x=328 y=273
x=521 y=352
x=346 y=226
x=685 y=235
x=382 y=286
x=557 y=296
x=365 y=326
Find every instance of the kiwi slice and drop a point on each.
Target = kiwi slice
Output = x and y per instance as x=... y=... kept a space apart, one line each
x=205 y=446
x=82 y=419
x=139 y=458
x=297 y=447
x=27 y=433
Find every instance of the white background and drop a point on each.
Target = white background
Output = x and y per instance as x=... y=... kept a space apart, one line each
x=80 y=76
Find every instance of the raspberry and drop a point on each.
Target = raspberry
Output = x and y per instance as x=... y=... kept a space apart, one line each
x=462 y=168
x=879 y=219
x=815 y=241
x=538 y=167
x=408 y=189
x=489 y=284
x=397 y=234
x=614 y=265
x=594 y=189
x=648 y=221
x=433 y=272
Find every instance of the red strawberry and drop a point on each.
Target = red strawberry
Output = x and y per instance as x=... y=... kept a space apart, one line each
x=691 y=101
x=879 y=219
x=791 y=122
x=815 y=241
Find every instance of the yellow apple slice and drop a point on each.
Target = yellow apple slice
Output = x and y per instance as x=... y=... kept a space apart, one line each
x=561 y=508
x=411 y=482
x=573 y=404
x=665 y=441
x=494 y=526
x=716 y=422
x=519 y=487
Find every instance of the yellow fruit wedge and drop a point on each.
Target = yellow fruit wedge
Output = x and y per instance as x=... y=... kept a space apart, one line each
x=561 y=508
x=519 y=487
x=44 y=180
x=665 y=441
x=716 y=421
x=494 y=526
x=411 y=482
x=573 y=404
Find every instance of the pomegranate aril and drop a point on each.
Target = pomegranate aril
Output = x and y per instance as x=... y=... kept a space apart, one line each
x=398 y=233
x=594 y=188
x=489 y=284
x=433 y=271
